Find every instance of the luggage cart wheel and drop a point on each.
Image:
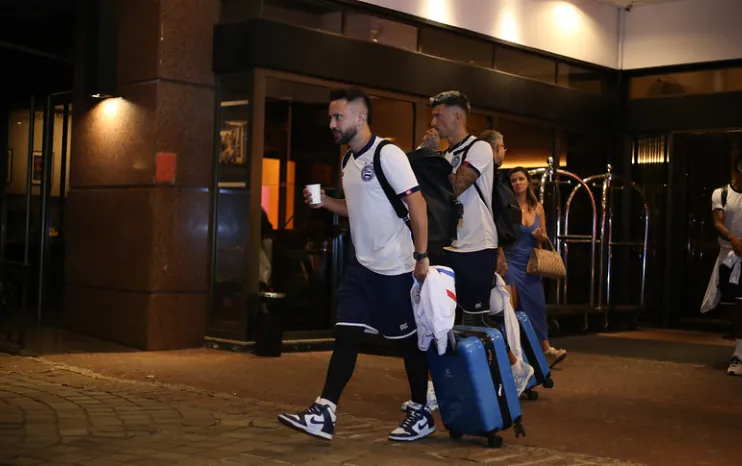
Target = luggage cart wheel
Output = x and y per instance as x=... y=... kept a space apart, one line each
x=494 y=440
x=531 y=395
x=634 y=322
x=519 y=430
x=455 y=435
x=555 y=328
x=549 y=383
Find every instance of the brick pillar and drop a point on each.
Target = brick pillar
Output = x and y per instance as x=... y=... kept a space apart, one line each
x=137 y=250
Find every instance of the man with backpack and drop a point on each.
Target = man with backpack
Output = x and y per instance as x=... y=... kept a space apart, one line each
x=725 y=287
x=444 y=209
x=374 y=295
x=474 y=254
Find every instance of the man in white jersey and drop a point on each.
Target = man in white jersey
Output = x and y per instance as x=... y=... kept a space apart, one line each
x=474 y=255
x=726 y=285
x=374 y=295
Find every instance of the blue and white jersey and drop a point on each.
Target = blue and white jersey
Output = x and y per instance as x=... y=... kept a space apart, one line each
x=477 y=230
x=382 y=240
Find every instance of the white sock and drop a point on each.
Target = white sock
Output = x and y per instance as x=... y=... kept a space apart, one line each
x=333 y=407
x=738 y=348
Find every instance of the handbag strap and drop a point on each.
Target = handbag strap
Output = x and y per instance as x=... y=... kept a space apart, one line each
x=550 y=243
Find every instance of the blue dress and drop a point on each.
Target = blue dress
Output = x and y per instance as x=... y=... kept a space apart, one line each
x=529 y=288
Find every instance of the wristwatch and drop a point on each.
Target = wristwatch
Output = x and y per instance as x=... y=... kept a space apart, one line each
x=418 y=256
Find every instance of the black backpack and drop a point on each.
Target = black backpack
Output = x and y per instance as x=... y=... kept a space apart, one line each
x=505 y=209
x=431 y=171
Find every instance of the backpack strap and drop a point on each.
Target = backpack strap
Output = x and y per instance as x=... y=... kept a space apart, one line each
x=346 y=157
x=463 y=159
x=466 y=149
x=724 y=194
x=394 y=200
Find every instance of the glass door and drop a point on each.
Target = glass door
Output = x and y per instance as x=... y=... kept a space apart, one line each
x=700 y=164
x=301 y=244
x=32 y=216
x=309 y=248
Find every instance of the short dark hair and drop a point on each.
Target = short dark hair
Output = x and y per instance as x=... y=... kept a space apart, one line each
x=452 y=99
x=353 y=94
x=737 y=163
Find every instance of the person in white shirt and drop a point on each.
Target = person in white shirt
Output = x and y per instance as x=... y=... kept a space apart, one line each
x=725 y=286
x=374 y=295
x=474 y=255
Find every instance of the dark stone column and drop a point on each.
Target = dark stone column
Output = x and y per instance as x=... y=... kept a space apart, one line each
x=137 y=261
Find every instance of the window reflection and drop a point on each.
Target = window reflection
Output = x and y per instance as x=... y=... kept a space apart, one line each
x=576 y=77
x=314 y=14
x=525 y=64
x=691 y=82
x=444 y=44
x=379 y=30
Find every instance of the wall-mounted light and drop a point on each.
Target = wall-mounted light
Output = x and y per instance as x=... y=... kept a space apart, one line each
x=101 y=96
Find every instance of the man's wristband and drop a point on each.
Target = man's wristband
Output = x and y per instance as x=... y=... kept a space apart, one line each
x=418 y=256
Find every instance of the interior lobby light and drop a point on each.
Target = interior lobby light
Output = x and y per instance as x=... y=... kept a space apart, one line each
x=567 y=17
x=440 y=11
x=101 y=96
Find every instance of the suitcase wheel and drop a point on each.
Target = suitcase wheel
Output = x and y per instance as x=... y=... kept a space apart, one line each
x=530 y=395
x=519 y=430
x=455 y=434
x=494 y=440
x=548 y=383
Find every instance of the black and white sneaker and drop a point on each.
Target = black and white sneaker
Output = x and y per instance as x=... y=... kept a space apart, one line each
x=418 y=424
x=735 y=366
x=318 y=420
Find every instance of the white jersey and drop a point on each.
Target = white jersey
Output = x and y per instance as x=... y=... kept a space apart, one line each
x=732 y=211
x=382 y=240
x=477 y=230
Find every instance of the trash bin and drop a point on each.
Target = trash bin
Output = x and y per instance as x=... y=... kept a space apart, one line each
x=267 y=321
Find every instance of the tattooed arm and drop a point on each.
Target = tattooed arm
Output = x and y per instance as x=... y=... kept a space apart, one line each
x=462 y=180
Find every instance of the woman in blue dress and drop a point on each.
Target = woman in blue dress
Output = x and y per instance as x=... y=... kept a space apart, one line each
x=528 y=288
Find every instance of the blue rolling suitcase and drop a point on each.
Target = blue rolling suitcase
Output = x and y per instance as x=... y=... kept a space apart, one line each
x=474 y=385
x=534 y=356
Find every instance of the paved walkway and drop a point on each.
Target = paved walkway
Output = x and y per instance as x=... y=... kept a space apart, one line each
x=55 y=414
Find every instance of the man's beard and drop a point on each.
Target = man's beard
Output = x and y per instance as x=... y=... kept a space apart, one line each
x=345 y=136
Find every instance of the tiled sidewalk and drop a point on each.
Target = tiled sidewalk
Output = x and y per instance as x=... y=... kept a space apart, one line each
x=52 y=414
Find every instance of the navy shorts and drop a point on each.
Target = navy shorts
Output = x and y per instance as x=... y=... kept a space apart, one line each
x=730 y=293
x=379 y=303
x=475 y=275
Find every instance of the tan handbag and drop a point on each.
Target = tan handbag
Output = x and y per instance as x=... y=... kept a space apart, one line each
x=546 y=263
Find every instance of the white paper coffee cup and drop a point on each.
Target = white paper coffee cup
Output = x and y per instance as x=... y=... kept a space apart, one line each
x=314 y=192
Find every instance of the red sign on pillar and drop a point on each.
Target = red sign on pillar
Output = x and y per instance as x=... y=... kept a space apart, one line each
x=165 y=167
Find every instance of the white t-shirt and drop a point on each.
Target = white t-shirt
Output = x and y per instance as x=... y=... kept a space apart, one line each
x=477 y=229
x=732 y=211
x=382 y=241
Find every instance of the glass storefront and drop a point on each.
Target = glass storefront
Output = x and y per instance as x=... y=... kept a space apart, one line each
x=273 y=133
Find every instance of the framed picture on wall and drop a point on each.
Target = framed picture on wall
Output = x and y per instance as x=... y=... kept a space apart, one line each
x=38 y=167
x=233 y=142
x=9 y=173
